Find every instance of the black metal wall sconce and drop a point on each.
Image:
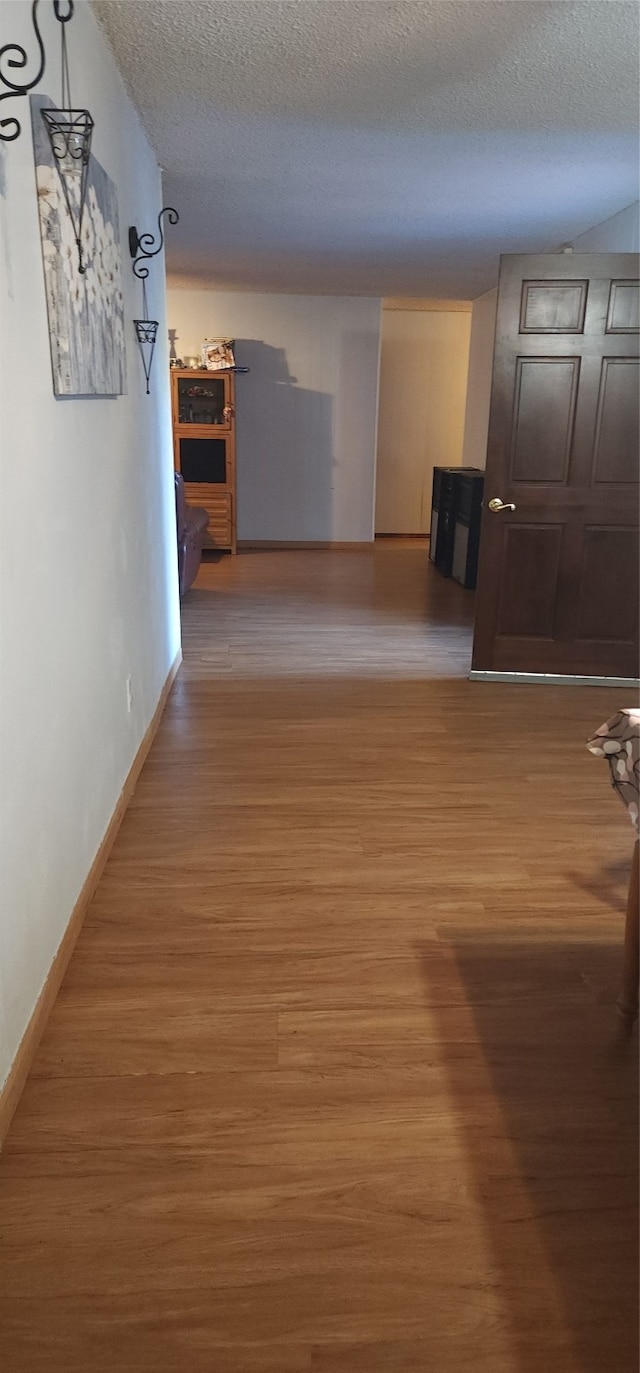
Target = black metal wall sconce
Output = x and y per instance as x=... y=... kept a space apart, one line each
x=142 y=247
x=11 y=128
x=70 y=130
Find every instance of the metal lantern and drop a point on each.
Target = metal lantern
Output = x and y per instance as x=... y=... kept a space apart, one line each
x=70 y=133
x=70 y=138
x=146 y=331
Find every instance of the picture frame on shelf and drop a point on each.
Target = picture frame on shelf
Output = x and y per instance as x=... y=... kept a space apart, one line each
x=217 y=354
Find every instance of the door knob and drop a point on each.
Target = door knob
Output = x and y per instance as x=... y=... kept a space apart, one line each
x=496 y=504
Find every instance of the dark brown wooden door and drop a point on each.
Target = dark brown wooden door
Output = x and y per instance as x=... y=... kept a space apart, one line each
x=558 y=576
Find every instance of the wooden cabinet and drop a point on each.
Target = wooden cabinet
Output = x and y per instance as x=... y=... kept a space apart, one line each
x=203 y=413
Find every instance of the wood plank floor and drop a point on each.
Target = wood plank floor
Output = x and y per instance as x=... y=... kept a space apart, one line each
x=333 y=1083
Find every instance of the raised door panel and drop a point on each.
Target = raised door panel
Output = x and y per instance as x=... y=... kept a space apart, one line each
x=543 y=418
x=553 y=307
x=615 y=451
x=609 y=584
x=623 y=315
x=528 y=586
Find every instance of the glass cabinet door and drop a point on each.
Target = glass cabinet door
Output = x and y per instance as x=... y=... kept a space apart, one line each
x=202 y=400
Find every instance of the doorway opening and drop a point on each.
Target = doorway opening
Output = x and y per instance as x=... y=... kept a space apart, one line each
x=424 y=363
x=432 y=415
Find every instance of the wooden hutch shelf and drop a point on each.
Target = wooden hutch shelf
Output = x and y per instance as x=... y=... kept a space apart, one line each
x=204 y=451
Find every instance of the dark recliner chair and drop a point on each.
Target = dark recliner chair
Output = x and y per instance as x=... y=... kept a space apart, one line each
x=192 y=521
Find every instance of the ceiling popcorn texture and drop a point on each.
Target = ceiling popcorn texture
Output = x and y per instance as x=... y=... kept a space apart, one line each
x=380 y=147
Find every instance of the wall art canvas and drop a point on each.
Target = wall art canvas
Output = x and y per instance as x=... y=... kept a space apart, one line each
x=86 y=312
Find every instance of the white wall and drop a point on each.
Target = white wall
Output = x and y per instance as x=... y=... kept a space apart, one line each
x=87 y=561
x=306 y=413
x=423 y=379
x=620 y=234
x=476 y=420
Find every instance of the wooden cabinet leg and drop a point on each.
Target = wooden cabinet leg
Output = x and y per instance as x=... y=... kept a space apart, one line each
x=628 y=999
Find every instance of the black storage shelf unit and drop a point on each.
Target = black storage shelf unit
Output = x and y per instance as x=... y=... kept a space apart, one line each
x=455 y=522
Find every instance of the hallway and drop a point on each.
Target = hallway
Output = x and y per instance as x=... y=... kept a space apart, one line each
x=332 y=1084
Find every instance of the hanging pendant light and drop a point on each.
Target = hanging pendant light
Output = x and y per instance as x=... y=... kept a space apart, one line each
x=70 y=134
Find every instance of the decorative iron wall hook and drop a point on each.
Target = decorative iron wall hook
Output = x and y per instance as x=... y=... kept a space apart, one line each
x=63 y=16
x=142 y=247
x=11 y=128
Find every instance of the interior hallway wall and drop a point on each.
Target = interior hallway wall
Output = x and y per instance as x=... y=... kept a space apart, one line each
x=620 y=234
x=476 y=419
x=423 y=377
x=305 y=414
x=88 y=581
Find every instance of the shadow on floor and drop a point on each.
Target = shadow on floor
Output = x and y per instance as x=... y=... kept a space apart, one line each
x=609 y=885
x=551 y=1139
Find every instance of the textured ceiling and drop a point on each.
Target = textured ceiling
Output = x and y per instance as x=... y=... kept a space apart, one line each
x=381 y=147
